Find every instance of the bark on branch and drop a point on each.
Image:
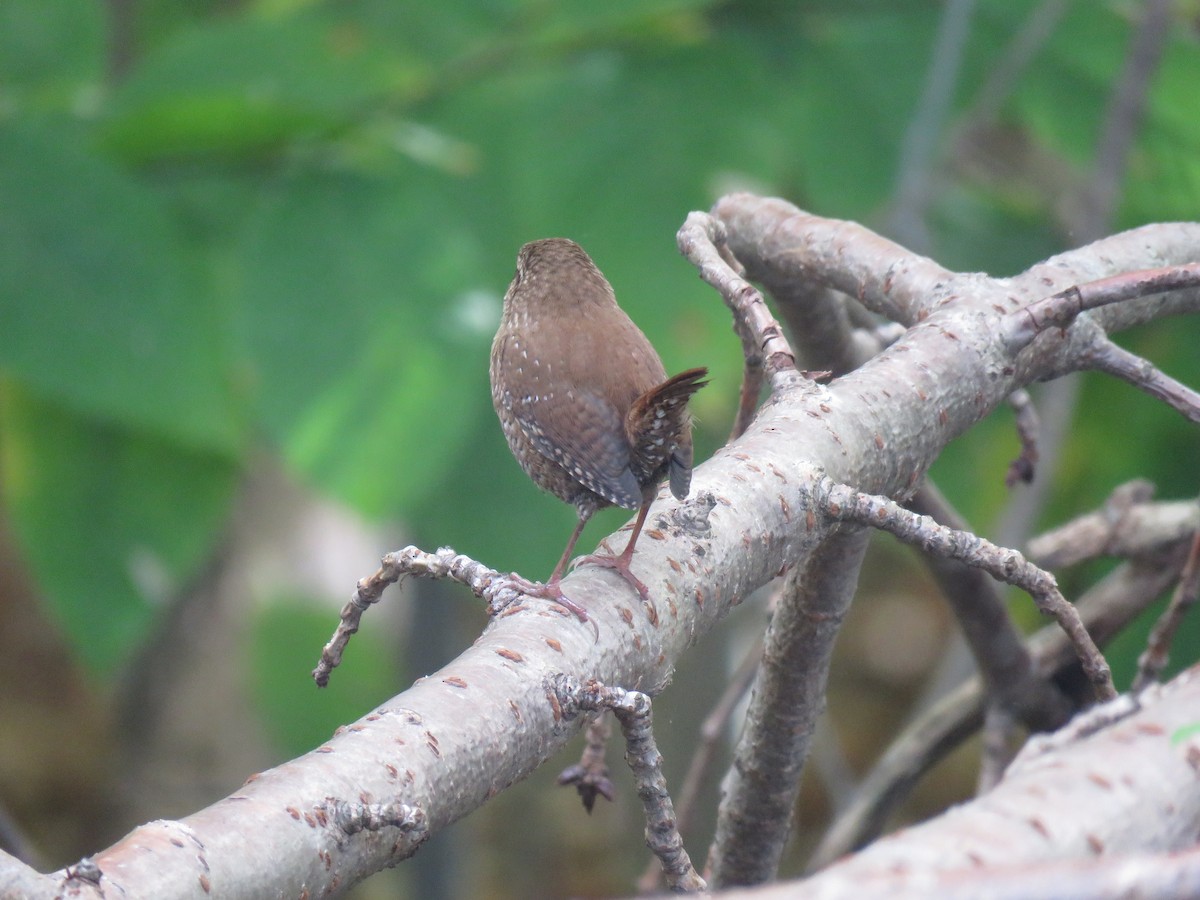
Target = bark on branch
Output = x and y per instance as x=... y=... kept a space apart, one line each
x=1119 y=782
x=442 y=748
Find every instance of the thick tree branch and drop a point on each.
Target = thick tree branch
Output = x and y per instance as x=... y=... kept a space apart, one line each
x=484 y=721
x=760 y=790
x=1127 y=787
x=1106 y=609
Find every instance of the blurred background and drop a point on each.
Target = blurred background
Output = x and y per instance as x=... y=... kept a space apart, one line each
x=252 y=254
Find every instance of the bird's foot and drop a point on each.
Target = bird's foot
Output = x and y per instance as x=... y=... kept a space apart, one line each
x=619 y=563
x=552 y=591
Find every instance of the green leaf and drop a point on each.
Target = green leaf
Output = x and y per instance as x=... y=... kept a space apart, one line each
x=99 y=301
x=1164 y=168
x=110 y=520
x=356 y=316
x=49 y=47
x=246 y=87
x=286 y=642
x=852 y=121
x=1185 y=733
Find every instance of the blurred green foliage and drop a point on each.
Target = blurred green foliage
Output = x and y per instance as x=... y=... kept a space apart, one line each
x=296 y=717
x=289 y=222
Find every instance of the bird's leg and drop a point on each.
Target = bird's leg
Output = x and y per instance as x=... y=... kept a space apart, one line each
x=621 y=562
x=551 y=590
x=556 y=575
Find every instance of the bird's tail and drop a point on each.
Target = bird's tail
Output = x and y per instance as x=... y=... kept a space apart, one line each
x=659 y=429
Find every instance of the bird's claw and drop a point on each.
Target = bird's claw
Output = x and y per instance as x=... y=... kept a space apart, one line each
x=553 y=592
x=620 y=564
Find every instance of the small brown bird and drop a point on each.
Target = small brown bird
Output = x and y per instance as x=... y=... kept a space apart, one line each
x=584 y=400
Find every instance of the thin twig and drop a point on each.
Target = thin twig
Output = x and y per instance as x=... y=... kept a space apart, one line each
x=1022 y=468
x=702 y=241
x=1114 y=360
x=589 y=776
x=633 y=711
x=485 y=583
x=997 y=646
x=845 y=504
x=711 y=729
x=908 y=221
x=1124 y=115
x=1154 y=659
x=1015 y=58
x=1059 y=310
x=1127 y=525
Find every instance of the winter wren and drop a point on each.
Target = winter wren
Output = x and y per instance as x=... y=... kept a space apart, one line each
x=584 y=400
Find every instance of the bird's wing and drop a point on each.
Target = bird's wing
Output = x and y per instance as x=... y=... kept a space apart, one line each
x=583 y=433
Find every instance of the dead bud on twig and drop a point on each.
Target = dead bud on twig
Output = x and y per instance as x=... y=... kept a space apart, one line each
x=590 y=774
x=1022 y=468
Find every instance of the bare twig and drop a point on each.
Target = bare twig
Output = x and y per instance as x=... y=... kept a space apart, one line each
x=1127 y=525
x=1000 y=654
x=1015 y=59
x=1117 y=361
x=633 y=711
x=485 y=583
x=589 y=776
x=981 y=144
x=1028 y=426
x=1061 y=309
x=845 y=504
x=1154 y=659
x=702 y=241
x=918 y=150
x=818 y=323
x=711 y=729
x=1124 y=114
